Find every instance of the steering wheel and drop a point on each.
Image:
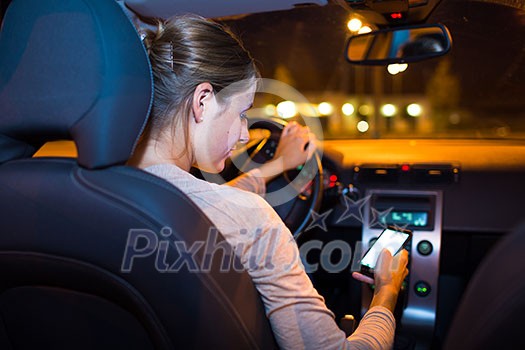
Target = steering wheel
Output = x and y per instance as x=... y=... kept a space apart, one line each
x=293 y=194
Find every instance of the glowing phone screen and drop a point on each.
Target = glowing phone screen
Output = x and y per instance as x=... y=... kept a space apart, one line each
x=389 y=239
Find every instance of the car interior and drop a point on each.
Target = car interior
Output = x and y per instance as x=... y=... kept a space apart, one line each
x=418 y=111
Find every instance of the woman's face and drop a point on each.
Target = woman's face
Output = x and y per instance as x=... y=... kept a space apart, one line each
x=224 y=124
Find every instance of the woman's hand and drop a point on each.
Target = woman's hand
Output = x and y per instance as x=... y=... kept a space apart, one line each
x=391 y=271
x=389 y=275
x=296 y=146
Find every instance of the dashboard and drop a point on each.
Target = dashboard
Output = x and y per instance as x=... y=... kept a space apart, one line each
x=481 y=180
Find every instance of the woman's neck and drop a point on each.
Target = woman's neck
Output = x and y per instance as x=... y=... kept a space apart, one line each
x=155 y=152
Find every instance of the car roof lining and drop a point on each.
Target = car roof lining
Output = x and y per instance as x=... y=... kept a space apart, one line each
x=213 y=8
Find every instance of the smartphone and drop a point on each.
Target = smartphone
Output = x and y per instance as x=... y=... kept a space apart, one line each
x=392 y=238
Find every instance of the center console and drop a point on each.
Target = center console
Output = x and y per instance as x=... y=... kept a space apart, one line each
x=421 y=212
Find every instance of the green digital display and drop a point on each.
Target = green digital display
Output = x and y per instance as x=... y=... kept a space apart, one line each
x=410 y=218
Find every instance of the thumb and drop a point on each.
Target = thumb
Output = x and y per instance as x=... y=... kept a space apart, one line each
x=384 y=259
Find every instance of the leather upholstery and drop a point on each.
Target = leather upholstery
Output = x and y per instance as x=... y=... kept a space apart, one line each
x=71 y=68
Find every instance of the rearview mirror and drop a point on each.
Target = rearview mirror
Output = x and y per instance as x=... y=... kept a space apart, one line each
x=399 y=45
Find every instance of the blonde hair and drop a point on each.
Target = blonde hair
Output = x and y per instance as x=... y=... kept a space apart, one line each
x=186 y=51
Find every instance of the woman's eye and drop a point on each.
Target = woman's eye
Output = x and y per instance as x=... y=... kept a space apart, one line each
x=243 y=116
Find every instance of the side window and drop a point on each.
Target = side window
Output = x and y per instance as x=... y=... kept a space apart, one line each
x=3 y=8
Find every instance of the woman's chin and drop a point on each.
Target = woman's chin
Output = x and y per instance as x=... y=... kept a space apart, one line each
x=219 y=167
x=215 y=168
x=211 y=166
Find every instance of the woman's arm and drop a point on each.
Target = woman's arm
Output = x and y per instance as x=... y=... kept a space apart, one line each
x=252 y=181
x=388 y=278
x=298 y=314
x=295 y=147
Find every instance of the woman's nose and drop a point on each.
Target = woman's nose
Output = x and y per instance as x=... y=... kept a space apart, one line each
x=245 y=135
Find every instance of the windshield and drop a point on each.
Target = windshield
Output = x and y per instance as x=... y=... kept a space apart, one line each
x=477 y=90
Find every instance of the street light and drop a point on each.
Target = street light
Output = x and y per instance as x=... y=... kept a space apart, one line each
x=396 y=68
x=414 y=110
x=388 y=110
x=348 y=109
x=363 y=126
x=325 y=108
x=354 y=24
x=286 y=109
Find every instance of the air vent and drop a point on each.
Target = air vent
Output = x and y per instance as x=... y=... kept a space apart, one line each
x=406 y=173
x=434 y=173
x=387 y=173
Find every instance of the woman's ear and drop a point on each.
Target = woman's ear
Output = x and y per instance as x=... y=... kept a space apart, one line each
x=202 y=96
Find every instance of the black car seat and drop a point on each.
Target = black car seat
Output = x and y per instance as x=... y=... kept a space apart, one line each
x=93 y=253
x=492 y=308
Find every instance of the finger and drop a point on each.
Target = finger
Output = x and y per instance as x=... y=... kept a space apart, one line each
x=384 y=262
x=399 y=262
x=385 y=258
x=311 y=148
x=399 y=266
x=288 y=127
x=315 y=141
x=362 y=278
x=402 y=257
x=403 y=252
x=305 y=138
x=312 y=138
x=300 y=141
x=292 y=125
x=295 y=129
x=304 y=130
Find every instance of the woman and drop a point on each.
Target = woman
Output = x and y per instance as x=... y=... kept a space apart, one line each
x=205 y=82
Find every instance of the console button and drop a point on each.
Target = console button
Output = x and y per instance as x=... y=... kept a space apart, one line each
x=422 y=289
x=424 y=248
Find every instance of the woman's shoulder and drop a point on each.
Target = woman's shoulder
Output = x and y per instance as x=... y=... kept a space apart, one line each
x=180 y=178
x=218 y=195
x=241 y=198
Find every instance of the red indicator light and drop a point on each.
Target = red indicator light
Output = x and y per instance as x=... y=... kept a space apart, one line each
x=405 y=167
x=333 y=178
x=396 y=15
x=332 y=184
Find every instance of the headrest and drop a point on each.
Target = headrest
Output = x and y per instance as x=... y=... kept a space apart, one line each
x=75 y=70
